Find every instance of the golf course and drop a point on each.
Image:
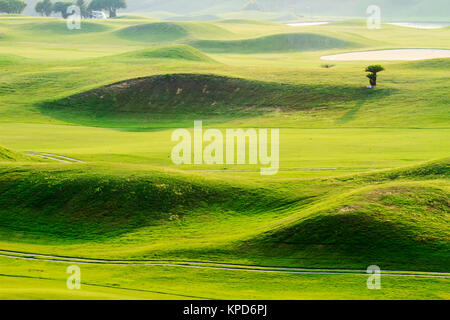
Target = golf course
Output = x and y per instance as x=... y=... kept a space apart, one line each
x=86 y=175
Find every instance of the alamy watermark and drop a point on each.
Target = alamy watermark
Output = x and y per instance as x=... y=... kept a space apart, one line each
x=74 y=280
x=230 y=149
x=374 y=280
x=374 y=19
x=73 y=18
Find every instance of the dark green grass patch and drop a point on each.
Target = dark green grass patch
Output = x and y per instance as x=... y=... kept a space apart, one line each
x=85 y=204
x=393 y=227
x=188 y=96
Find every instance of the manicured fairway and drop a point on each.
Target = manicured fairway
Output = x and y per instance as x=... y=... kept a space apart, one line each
x=363 y=179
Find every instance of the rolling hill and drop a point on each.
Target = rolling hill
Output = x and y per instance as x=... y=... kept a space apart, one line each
x=359 y=183
x=7 y=155
x=274 y=43
x=165 y=32
x=196 y=94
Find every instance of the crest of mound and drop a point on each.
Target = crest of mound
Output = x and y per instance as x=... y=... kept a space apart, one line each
x=60 y=28
x=387 y=224
x=177 y=52
x=154 y=32
x=165 y=32
x=195 y=94
x=284 y=42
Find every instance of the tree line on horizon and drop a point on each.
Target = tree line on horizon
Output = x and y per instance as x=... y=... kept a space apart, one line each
x=47 y=7
x=12 y=6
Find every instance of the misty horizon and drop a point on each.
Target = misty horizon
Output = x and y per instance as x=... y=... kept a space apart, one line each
x=282 y=10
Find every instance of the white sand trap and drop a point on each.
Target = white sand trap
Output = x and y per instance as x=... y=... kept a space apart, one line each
x=421 y=25
x=305 y=24
x=399 y=54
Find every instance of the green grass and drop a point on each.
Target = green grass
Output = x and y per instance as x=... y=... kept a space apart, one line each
x=194 y=95
x=363 y=180
x=166 y=32
x=284 y=42
x=154 y=32
x=11 y=156
x=43 y=280
x=60 y=28
x=383 y=225
x=177 y=52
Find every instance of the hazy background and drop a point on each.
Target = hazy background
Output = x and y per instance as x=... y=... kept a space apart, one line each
x=401 y=10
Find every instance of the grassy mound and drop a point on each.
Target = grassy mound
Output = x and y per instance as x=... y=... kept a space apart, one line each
x=158 y=32
x=394 y=226
x=199 y=95
x=60 y=28
x=164 y=32
x=177 y=52
x=94 y=203
x=287 y=42
x=8 y=156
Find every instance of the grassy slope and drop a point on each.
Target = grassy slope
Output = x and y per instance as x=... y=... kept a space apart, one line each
x=385 y=217
x=7 y=155
x=195 y=95
x=164 y=32
x=178 y=52
x=384 y=225
x=402 y=213
x=285 y=42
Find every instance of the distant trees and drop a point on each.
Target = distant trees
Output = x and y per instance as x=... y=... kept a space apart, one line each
x=44 y=8
x=252 y=5
x=373 y=71
x=83 y=8
x=61 y=7
x=110 y=5
x=12 y=6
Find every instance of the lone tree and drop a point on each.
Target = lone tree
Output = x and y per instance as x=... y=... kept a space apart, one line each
x=374 y=69
x=110 y=5
x=44 y=8
x=12 y=6
x=83 y=8
x=61 y=7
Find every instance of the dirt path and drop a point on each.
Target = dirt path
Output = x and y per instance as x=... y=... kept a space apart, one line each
x=212 y=265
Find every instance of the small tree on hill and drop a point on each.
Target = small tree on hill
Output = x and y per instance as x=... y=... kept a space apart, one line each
x=110 y=5
x=373 y=70
x=44 y=8
x=12 y=6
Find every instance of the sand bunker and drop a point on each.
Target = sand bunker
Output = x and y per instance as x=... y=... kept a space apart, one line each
x=421 y=25
x=400 y=54
x=304 y=24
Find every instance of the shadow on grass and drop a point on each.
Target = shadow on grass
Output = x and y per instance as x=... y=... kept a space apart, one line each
x=175 y=100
